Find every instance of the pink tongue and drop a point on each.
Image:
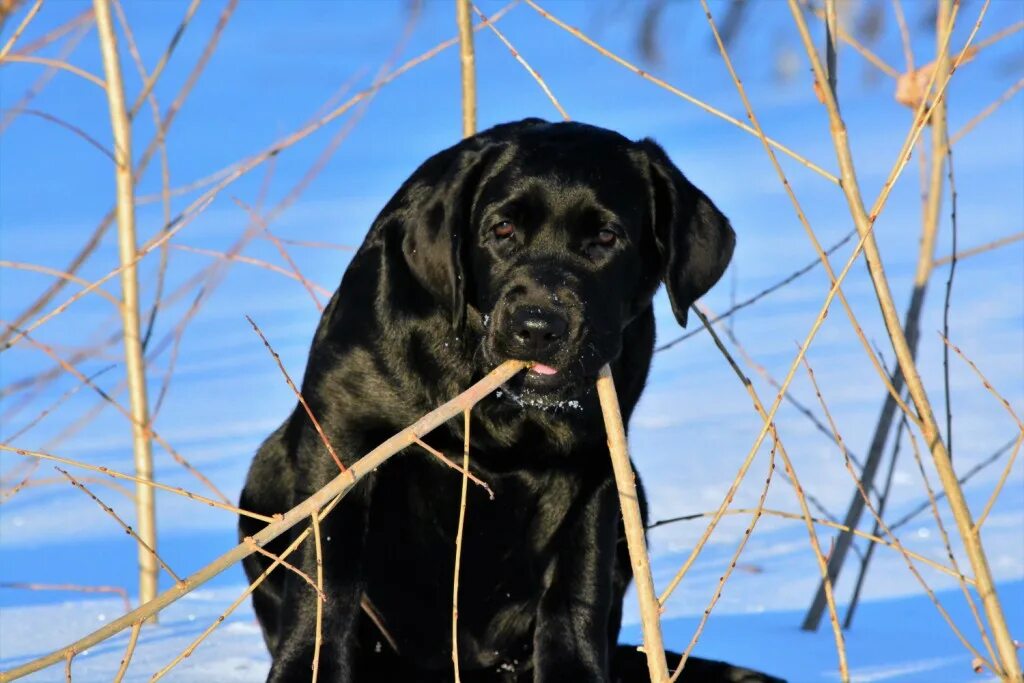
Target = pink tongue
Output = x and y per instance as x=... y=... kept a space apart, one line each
x=542 y=369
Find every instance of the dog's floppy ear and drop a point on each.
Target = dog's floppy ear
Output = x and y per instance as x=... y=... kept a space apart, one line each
x=429 y=216
x=693 y=237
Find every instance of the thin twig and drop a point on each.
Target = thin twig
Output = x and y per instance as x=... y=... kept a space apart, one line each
x=55 y=64
x=128 y=530
x=259 y=263
x=17 y=470
x=13 y=491
x=964 y=478
x=949 y=548
x=795 y=402
x=901 y=23
x=256 y=218
x=144 y=482
x=999 y=35
x=133 y=639
x=49 y=481
x=462 y=470
x=314 y=521
x=187 y=188
x=66 y=125
x=150 y=81
x=947 y=301
x=980 y=249
x=317 y=245
x=1017 y=444
x=71 y=587
x=282 y=251
x=883 y=499
x=375 y=616
x=733 y=560
x=57 y=33
x=864 y=52
x=676 y=91
x=529 y=69
x=831 y=44
x=458 y=548
x=984 y=381
x=69 y=277
x=1000 y=483
x=987 y=111
x=82 y=28
x=796 y=516
x=299 y=396
x=178 y=333
x=290 y=567
x=735 y=308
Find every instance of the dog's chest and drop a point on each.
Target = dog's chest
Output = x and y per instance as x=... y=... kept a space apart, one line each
x=507 y=546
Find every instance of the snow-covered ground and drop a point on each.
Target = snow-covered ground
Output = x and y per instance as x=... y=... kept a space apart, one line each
x=277 y=63
x=891 y=640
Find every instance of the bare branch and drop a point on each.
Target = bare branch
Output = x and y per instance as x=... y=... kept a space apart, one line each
x=327 y=496
x=629 y=502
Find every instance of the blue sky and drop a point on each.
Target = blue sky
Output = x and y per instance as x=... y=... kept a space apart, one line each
x=279 y=62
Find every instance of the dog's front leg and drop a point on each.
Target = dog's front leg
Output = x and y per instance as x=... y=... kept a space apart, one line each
x=343 y=534
x=571 y=637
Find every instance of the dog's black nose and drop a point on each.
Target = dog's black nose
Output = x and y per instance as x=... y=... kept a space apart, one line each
x=536 y=330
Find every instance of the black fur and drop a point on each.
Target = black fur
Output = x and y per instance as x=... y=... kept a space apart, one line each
x=436 y=297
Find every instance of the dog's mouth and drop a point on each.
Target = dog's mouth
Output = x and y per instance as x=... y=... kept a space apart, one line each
x=558 y=380
x=545 y=387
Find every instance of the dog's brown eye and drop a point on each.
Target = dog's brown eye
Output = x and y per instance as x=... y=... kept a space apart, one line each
x=504 y=229
x=607 y=238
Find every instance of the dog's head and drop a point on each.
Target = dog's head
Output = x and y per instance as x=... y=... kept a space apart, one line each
x=544 y=241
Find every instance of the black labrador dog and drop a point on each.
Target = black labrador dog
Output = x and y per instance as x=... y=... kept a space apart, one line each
x=535 y=241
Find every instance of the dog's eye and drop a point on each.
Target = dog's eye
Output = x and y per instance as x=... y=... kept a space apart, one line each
x=607 y=238
x=504 y=229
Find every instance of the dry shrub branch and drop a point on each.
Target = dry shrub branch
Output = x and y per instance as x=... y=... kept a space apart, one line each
x=865 y=221
x=145 y=505
x=328 y=495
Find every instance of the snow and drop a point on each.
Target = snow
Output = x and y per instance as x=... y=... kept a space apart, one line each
x=891 y=640
x=233 y=653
